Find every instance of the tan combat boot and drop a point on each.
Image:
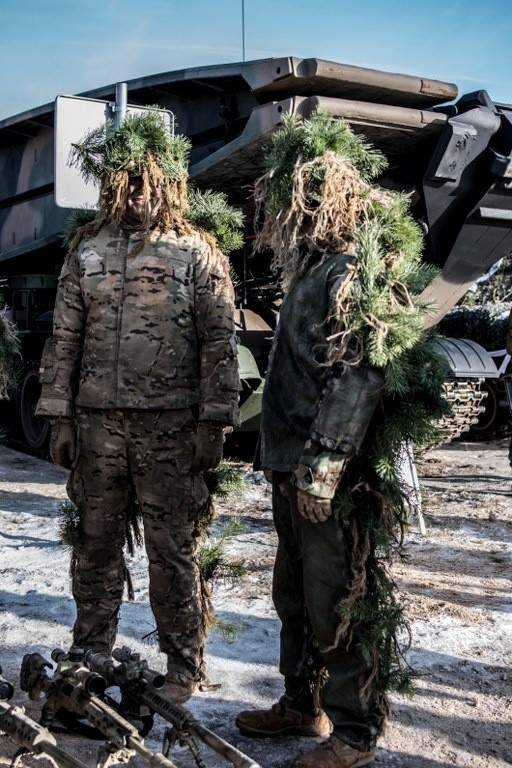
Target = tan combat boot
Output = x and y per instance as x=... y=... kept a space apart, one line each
x=282 y=720
x=334 y=753
x=179 y=686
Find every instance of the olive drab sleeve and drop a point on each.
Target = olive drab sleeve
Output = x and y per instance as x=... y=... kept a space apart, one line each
x=214 y=311
x=347 y=405
x=60 y=363
x=349 y=397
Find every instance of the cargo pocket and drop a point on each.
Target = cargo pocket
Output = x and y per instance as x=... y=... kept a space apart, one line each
x=48 y=366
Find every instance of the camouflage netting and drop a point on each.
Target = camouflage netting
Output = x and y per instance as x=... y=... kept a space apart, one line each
x=317 y=197
x=10 y=358
x=486 y=324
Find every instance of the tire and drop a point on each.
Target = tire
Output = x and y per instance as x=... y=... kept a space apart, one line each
x=35 y=431
x=494 y=421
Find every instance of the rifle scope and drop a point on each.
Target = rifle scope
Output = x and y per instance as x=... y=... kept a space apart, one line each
x=129 y=668
x=93 y=683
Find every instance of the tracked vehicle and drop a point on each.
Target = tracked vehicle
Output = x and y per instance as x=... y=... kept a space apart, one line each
x=453 y=155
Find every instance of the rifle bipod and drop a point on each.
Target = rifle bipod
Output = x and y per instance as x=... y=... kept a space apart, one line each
x=173 y=736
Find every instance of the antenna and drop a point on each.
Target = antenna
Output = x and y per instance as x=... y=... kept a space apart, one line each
x=243 y=30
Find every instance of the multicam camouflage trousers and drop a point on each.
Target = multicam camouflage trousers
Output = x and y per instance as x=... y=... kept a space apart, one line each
x=311 y=575
x=144 y=456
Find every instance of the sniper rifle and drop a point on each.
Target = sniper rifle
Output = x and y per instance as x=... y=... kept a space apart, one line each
x=30 y=735
x=140 y=695
x=33 y=737
x=74 y=688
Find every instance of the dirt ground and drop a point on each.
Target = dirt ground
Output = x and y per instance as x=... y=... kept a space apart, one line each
x=456 y=582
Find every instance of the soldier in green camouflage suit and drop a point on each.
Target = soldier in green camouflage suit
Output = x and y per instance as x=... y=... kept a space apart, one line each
x=349 y=379
x=139 y=380
x=308 y=435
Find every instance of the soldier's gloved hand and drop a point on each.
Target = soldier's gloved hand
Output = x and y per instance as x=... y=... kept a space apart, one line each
x=313 y=508
x=63 y=441
x=208 y=447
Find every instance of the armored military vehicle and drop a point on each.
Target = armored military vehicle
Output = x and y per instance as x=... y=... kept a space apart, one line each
x=452 y=154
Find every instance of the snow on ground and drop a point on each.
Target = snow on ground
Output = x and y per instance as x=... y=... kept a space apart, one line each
x=456 y=582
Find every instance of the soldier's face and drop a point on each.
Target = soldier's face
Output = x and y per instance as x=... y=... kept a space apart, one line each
x=138 y=208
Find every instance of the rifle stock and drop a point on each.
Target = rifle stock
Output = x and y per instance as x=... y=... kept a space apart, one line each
x=34 y=737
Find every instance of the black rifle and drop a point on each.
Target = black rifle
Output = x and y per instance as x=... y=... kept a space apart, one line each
x=74 y=688
x=140 y=697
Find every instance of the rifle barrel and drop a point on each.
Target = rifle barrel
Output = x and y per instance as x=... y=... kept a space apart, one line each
x=179 y=716
x=155 y=759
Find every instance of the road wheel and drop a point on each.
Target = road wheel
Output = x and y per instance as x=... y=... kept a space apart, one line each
x=35 y=431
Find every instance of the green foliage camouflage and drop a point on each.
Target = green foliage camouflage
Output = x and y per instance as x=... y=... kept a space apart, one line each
x=317 y=188
x=227 y=478
x=103 y=152
x=484 y=323
x=304 y=141
x=211 y=212
x=212 y=559
x=10 y=354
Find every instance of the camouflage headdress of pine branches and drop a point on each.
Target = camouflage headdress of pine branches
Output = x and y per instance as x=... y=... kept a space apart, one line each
x=143 y=146
x=317 y=196
x=317 y=172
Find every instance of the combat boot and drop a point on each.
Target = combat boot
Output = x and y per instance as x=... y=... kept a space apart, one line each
x=179 y=686
x=282 y=720
x=334 y=753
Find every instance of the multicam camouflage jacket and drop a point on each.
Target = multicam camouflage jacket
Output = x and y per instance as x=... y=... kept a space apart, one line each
x=151 y=330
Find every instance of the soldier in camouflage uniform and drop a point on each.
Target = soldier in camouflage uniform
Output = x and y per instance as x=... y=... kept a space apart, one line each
x=308 y=434
x=139 y=380
x=332 y=424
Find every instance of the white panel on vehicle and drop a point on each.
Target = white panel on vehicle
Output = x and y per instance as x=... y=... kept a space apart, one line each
x=75 y=116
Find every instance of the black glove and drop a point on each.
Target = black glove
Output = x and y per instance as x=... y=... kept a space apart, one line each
x=63 y=442
x=208 y=446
